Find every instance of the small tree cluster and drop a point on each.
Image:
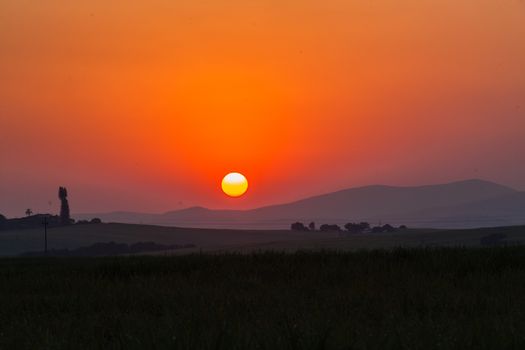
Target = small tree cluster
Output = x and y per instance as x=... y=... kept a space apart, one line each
x=350 y=227
x=330 y=228
x=299 y=226
x=87 y=222
x=384 y=228
x=357 y=228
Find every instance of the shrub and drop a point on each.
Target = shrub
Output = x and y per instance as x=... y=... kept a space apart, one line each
x=330 y=228
x=298 y=226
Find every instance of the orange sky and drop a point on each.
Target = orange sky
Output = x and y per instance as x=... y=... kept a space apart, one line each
x=145 y=105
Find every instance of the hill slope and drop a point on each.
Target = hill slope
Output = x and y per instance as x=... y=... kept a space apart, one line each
x=444 y=205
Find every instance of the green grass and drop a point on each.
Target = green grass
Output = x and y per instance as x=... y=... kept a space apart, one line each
x=447 y=298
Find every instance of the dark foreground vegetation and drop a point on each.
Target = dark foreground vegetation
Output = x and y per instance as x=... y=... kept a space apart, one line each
x=402 y=299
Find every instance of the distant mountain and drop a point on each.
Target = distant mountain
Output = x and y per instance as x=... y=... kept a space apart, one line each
x=508 y=209
x=469 y=203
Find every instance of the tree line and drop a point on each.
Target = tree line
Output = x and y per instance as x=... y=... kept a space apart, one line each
x=351 y=227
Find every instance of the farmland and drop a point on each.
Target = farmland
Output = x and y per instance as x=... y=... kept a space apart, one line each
x=435 y=298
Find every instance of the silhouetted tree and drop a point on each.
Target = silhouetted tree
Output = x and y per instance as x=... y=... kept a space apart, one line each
x=384 y=228
x=298 y=226
x=330 y=228
x=402 y=227
x=29 y=212
x=311 y=226
x=388 y=228
x=65 y=218
x=365 y=226
x=357 y=228
x=96 y=221
x=377 y=229
x=353 y=228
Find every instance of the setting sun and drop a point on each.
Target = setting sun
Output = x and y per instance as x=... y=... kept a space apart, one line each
x=234 y=184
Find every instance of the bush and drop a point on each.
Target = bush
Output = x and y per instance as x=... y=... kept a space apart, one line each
x=384 y=228
x=388 y=228
x=330 y=228
x=357 y=228
x=298 y=226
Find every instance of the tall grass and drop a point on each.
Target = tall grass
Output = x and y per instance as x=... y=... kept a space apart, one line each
x=407 y=299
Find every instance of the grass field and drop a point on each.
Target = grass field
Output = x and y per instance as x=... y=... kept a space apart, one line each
x=228 y=240
x=70 y=237
x=441 y=298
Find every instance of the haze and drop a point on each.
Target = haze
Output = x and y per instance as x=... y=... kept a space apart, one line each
x=145 y=106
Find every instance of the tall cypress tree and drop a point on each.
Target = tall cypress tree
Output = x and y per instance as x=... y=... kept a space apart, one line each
x=65 y=219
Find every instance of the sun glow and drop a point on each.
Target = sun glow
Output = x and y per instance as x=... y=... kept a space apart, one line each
x=234 y=184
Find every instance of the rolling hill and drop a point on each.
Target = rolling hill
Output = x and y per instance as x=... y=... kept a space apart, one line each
x=469 y=203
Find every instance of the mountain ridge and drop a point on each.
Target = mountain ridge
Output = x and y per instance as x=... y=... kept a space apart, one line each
x=413 y=205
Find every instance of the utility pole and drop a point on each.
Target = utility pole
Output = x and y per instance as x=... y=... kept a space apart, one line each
x=45 y=223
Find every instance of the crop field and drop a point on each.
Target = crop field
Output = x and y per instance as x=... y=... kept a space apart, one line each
x=423 y=298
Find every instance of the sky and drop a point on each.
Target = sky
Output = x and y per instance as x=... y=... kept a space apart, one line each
x=146 y=105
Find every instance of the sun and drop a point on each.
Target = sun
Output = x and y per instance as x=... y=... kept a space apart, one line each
x=234 y=184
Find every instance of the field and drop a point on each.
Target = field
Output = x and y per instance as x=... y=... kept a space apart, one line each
x=227 y=240
x=74 y=236
x=431 y=298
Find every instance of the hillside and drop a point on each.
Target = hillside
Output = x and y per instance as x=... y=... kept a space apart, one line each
x=457 y=204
